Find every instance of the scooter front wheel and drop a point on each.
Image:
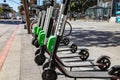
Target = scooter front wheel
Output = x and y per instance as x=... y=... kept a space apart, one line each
x=104 y=63
x=84 y=54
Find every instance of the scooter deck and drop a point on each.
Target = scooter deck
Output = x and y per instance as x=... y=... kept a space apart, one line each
x=92 y=63
x=82 y=65
x=84 y=74
x=71 y=56
x=62 y=57
x=85 y=65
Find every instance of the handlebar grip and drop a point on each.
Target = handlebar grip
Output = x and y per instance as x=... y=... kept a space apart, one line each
x=51 y=2
x=66 y=7
x=64 y=1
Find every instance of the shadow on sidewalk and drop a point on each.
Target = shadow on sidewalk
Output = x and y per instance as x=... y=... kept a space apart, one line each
x=95 y=38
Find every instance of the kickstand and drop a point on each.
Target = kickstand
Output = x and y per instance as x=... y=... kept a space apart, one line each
x=70 y=68
x=75 y=78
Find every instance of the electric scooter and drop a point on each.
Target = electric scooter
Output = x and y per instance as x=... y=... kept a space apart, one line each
x=40 y=58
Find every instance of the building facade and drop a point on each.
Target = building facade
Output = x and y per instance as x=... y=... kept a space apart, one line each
x=112 y=4
x=116 y=7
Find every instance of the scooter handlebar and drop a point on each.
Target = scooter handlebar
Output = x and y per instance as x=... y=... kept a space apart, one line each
x=64 y=1
x=51 y=2
x=66 y=6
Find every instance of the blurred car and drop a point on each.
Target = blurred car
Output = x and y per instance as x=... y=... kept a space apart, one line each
x=14 y=18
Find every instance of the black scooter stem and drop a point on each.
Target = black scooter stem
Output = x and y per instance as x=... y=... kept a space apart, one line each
x=39 y=19
x=51 y=2
x=64 y=18
x=43 y=19
x=59 y=17
x=64 y=1
x=59 y=36
x=66 y=7
x=50 y=21
x=48 y=26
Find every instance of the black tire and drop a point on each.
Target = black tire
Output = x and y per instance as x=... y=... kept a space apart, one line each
x=66 y=41
x=49 y=74
x=84 y=54
x=105 y=63
x=73 y=48
x=115 y=71
x=40 y=59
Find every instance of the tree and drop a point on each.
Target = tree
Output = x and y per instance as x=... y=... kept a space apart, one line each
x=33 y=2
x=20 y=9
x=13 y=11
x=1 y=10
x=81 y=5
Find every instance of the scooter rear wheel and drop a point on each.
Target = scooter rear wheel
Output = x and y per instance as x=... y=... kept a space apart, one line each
x=49 y=74
x=40 y=59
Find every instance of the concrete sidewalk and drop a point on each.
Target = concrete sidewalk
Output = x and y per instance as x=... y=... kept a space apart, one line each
x=19 y=64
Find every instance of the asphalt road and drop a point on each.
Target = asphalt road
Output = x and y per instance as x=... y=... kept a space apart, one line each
x=7 y=27
x=101 y=38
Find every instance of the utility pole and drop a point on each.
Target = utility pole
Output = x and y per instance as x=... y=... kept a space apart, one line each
x=25 y=4
x=97 y=2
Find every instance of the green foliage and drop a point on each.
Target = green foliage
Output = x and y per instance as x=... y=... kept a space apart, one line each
x=20 y=8
x=1 y=10
x=81 y=5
